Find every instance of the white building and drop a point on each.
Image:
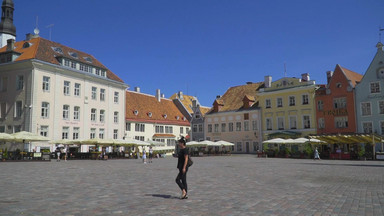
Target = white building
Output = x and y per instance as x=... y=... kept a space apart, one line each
x=58 y=92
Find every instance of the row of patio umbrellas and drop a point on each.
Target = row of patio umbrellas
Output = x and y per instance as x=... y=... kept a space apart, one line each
x=209 y=143
x=22 y=136
x=293 y=141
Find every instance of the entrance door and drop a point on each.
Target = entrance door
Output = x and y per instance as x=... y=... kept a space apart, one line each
x=247 y=147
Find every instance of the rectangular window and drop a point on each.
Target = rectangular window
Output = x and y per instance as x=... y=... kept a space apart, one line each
x=75 y=134
x=116 y=117
x=102 y=73
x=66 y=87
x=321 y=123
x=230 y=127
x=279 y=102
x=16 y=128
x=268 y=103
x=44 y=109
x=366 y=108
x=246 y=116
x=101 y=133
x=238 y=126
x=102 y=115
x=2 y=129
x=92 y=135
x=139 y=127
x=209 y=128
x=81 y=67
x=77 y=89
x=200 y=128
x=305 y=99
x=19 y=82
x=76 y=113
x=292 y=101
x=97 y=71
x=66 y=112
x=46 y=83
x=115 y=134
x=66 y=62
x=307 y=122
x=128 y=126
x=94 y=93
x=159 y=129
x=73 y=64
x=194 y=128
x=254 y=125
x=223 y=125
x=292 y=122
x=367 y=127
x=18 y=109
x=116 y=97
x=64 y=133
x=93 y=115
x=44 y=130
x=341 y=122
x=320 y=105
x=381 y=107
x=268 y=122
x=239 y=147
x=375 y=87
x=3 y=109
x=382 y=127
x=102 y=94
x=280 y=123
x=246 y=126
x=340 y=103
x=216 y=128
x=181 y=130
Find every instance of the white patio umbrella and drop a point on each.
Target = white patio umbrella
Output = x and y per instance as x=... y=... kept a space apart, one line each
x=124 y=142
x=195 y=144
x=225 y=143
x=24 y=136
x=6 y=137
x=156 y=143
x=208 y=143
x=62 y=141
x=275 y=141
x=97 y=141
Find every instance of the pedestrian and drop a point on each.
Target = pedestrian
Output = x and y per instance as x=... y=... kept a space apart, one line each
x=65 y=154
x=58 y=154
x=181 y=179
x=317 y=156
x=150 y=154
x=144 y=155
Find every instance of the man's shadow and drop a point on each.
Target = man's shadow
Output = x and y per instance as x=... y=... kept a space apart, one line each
x=165 y=196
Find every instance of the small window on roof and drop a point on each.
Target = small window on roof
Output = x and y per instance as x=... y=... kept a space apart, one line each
x=136 y=112
x=150 y=114
x=165 y=116
x=73 y=54
x=26 y=45
x=88 y=59
x=58 y=50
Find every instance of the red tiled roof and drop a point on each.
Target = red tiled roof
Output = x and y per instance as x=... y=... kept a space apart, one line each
x=351 y=75
x=233 y=97
x=149 y=109
x=187 y=102
x=41 y=49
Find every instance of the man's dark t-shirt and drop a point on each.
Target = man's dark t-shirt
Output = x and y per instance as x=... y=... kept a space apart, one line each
x=181 y=157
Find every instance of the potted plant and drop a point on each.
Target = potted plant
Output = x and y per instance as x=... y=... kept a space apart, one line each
x=361 y=154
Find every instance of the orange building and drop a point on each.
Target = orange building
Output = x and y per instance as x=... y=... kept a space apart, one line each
x=335 y=105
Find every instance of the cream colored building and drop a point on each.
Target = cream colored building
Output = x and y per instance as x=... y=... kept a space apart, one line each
x=153 y=117
x=58 y=92
x=236 y=118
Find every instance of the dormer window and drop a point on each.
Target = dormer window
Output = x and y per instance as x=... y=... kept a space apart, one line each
x=150 y=114
x=184 y=118
x=177 y=117
x=73 y=54
x=26 y=45
x=88 y=59
x=136 y=112
x=56 y=49
x=165 y=116
x=338 y=85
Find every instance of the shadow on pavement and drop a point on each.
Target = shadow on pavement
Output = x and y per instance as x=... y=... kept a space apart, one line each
x=163 y=196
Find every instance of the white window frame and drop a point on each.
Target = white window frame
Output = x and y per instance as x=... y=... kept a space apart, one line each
x=116 y=97
x=66 y=111
x=44 y=130
x=321 y=123
x=76 y=91
x=374 y=89
x=115 y=134
x=341 y=121
x=75 y=133
x=363 y=124
x=76 y=113
x=18 y=109
x=46 y=83
x=268 y=123
x=93 y=114
x=268 y=103
x=44 y=109
x=116 y=117
x=92 y=133
x=66 y=89
x=280 y=123
x=94 y=93
x=102 y=94
x=291 y=126
x=65 y=133
x=102 y=116
x=101 y=133
x=292 y=100
x=305 y=126
x=320 y=105
x=279 y=102
x=19 y=82
x=368 y=109
x=305 y=99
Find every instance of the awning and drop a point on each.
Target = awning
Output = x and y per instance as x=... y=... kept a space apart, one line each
x=349 y=138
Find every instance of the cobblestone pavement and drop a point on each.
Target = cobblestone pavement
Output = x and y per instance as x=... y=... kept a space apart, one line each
x=218 y=185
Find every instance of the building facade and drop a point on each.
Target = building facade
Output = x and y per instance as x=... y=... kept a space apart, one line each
x=287 y=106
x=370 y=97
x=59 y=92
x=335 y=102
x=153 y=117
x=236 y=118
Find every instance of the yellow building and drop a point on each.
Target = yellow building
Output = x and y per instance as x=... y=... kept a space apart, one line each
x=287 y=107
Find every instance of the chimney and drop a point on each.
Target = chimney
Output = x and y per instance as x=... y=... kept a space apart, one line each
x=158 y=96
x=218 y=96
x=162 y=95
x=180 y=95
x=249 y=83
x=137 y=89
x=267 y=81
x=329 y=76
x=248 y=101
x=218 y=104
x=10 y=44
x=305 y=77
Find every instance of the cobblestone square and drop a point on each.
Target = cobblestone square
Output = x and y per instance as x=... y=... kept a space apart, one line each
x=218 y=185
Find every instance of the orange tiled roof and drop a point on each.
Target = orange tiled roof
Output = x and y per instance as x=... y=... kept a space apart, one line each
x=149 y=109
x=233 y=97
x=187 y=102
x=351 y=75
x=41 y=49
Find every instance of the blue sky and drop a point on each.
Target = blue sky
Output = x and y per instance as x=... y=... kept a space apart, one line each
x=203 y=47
